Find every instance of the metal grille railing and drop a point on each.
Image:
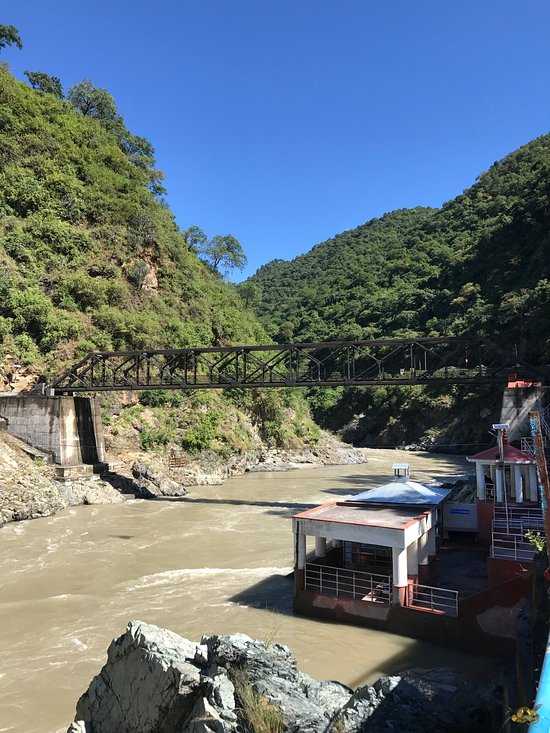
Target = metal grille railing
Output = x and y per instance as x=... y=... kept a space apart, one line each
x=340 y=582
x=527 y=445
x=506 y=546
x=428 y=597
x=517 y=520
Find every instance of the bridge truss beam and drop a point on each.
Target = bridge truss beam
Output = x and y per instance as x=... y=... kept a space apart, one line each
x=336 y=363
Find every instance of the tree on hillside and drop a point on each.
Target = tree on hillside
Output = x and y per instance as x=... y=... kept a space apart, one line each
x=9 y=36
x=93 y=102
x=225 y=252
x=195 y=238
x=45 y=83
x=251 y=293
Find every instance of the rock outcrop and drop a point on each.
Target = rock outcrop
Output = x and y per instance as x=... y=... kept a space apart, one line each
x=28 y=488
x=149 y=484
x=155 y=681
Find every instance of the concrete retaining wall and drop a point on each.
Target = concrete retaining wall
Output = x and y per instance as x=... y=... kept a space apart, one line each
x=55 y=425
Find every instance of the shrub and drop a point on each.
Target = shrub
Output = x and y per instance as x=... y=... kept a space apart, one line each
x=151 y=438
x=160 y=398
x=25 y=349
x=200 y=436
x=260 y=715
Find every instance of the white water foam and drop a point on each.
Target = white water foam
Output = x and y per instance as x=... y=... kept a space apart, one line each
x=170 y=577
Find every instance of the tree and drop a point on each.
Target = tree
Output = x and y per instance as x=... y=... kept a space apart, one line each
x=9 y=36
x=45 y=83
x=93 y=102
x=224 y=251
x=195 y=238
x=251 y=293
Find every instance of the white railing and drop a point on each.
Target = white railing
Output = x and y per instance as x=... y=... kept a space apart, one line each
x=517 y=520
x=428 y=597
x=340 y=582
x=527 y=445
x=507 y=546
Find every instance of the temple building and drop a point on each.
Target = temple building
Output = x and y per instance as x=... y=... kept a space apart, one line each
x=445 y=563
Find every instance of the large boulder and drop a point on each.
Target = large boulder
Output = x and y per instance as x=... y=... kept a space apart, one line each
x=420 y=700
x=147 y=684
x=148 y=484
x=306 y=704
x=155 y=681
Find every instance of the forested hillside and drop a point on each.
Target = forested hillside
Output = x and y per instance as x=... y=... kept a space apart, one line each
x=92 y=259
x=478 y=265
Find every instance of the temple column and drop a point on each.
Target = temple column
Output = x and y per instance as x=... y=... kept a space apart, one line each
x=400 y=575
x=423 y=550
x=412 y=558
x=518 y=483
x=480 y=480
x=431 y=542
x=300 y=550
x=499 y=484
x=533 y=483
x=320 y=546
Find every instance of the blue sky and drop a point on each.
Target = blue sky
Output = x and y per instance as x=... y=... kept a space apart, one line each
x=286 y=122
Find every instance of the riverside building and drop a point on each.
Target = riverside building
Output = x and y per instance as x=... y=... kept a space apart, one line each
x=445 y=563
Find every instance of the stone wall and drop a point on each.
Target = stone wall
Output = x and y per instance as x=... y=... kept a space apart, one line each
x=51 y=424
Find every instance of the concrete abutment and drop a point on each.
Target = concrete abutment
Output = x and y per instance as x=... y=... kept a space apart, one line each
x=68 y=429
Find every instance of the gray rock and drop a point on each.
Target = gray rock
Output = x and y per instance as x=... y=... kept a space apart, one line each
x=417 y=701
x=155 y=681
x=146 y=685
x=272 y=672
x=205 y=718
x=149 y=484
x=329 y=696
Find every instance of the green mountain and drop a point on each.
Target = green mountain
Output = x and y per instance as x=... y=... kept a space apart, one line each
x=478 y=265
x=92 y=259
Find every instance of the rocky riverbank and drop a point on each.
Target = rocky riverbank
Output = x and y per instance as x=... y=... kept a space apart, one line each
x=28 y=488
x=157 y=681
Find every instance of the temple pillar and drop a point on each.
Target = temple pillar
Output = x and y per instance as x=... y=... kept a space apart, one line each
x=518 y=483
x=499 y=484
x=400 y=575
x=320 y=546
x=480 y=480
x=300 y=550
x=533 y=482
x=412 y=558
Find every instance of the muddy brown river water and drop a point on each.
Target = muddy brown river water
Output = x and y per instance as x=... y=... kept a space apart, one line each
x=216 y=561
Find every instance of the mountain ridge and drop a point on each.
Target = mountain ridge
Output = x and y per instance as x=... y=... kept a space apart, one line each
x=478 y=265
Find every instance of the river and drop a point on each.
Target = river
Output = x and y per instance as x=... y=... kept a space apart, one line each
x=215 y=562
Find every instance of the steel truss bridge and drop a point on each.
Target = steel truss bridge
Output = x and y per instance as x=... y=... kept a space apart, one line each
x=410 y=361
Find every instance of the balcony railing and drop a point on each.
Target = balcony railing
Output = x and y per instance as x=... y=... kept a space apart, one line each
x=430 y=598
x=340 y=582
x=517 y=520
x=508 y=546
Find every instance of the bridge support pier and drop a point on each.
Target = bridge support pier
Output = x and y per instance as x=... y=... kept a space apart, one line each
x=68 y=429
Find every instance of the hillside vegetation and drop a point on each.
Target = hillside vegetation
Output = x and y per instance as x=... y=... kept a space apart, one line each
x=478 y=265
x=92 y=259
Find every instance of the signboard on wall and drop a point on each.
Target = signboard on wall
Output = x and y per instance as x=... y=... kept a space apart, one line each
x=460 y=517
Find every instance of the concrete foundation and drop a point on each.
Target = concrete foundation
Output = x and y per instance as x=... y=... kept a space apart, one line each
x=69 y=429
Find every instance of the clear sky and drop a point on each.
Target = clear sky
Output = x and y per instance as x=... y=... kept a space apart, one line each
x=284 y=122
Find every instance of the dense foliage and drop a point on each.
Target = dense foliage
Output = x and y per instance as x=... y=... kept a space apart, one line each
x=478 y=265
x=91 y=257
